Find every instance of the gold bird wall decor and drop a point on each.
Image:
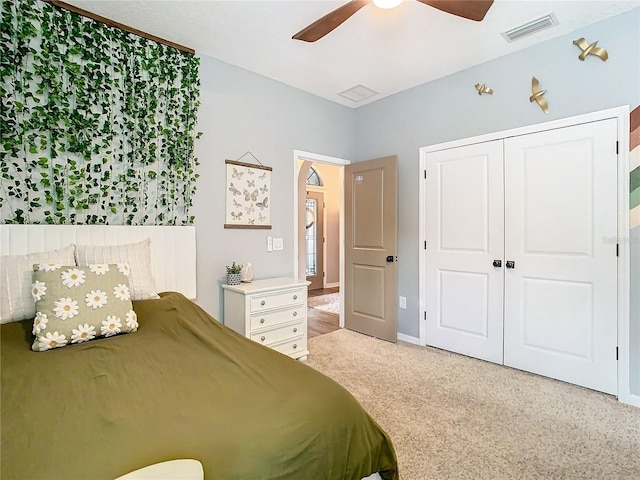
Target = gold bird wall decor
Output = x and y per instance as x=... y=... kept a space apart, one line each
x=483 y=89
x=591 y=49
x=538 y=95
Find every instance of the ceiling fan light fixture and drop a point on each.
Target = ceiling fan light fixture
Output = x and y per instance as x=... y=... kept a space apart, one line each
x=469 y=9
x=386 y=4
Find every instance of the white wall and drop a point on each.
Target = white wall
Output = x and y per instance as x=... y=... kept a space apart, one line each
x=241 y=111
x=450 y=109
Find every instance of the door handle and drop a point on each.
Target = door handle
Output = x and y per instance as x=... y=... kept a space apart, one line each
x=389 y=259
x=510 y=264
x=497 y=263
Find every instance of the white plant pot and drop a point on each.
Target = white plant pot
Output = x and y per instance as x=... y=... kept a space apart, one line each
x=233 y=279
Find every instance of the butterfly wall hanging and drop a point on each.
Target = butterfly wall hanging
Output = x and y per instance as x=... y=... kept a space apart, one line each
x=248 y=189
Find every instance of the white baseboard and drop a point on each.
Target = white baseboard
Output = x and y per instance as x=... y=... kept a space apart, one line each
x=332 y=285
x=409 y=339
x=630 y=399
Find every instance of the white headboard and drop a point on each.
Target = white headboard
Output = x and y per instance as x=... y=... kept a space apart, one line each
x=173 y=249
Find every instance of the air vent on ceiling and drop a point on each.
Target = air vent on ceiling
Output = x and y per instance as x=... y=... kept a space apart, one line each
x=531 y=27
x=358 y=93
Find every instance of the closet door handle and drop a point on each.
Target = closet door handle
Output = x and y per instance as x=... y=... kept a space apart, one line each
x=510 y=264
x=497 y=263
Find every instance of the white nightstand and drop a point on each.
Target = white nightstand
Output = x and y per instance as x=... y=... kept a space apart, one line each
x=272 y=312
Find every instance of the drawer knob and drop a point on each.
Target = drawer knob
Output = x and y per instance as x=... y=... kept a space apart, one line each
x=262 y=302
x=262 y=320
x=295 y=345
x=295 y=330
x=295 y=297
x=262 y=338
x=295 y=314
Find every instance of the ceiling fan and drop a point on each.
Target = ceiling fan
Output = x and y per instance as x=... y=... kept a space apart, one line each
x=471 y=9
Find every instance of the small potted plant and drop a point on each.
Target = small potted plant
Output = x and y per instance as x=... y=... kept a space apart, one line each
x=233 y=273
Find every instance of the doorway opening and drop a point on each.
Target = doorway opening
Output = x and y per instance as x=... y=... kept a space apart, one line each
x=318 y=228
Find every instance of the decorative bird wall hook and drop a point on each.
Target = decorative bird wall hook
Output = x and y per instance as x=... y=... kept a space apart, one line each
x=483 y=89
x=537 y=95
x=590 y=49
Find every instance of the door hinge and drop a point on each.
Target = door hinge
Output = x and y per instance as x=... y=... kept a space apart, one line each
x=617 y=249
x=616 y=353
x=617 y=147
x=425 y=244
x=425 y=314
x=425 y=174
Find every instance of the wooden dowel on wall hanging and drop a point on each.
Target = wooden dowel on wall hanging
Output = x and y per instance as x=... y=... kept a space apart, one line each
x=119 y=25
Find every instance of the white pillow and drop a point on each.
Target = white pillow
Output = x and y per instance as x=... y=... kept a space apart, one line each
x=138 y=255
x=16 y=301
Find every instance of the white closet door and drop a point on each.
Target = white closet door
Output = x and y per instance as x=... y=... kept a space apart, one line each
x=560 y=211
x=465 y=234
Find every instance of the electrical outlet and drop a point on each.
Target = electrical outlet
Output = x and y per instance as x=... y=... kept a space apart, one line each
x=403 y=302
x=269 y=244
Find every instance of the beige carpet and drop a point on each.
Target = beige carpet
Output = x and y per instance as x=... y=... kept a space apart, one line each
x=453 y=417
x=327 y=303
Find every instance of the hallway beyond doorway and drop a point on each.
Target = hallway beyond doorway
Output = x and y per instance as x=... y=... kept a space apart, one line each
x=321 y=322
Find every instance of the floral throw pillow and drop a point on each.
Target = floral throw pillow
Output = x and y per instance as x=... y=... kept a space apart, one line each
x=78 y=304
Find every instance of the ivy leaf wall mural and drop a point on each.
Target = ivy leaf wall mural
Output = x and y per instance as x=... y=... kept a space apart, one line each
x=97 y=124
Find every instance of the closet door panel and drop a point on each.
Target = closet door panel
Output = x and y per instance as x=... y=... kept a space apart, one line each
x=560 y=226
x=465 y=228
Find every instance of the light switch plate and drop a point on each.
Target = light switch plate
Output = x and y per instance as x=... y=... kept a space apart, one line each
x=278 y=243
x=403 y=302
x=269 y=244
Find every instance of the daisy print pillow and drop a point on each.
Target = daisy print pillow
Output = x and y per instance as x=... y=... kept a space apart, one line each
x=78 y=304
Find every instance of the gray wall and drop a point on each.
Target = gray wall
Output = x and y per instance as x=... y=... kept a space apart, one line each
x=449 y=109
x=242 y=111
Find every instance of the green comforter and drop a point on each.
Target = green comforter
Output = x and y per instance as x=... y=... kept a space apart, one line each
x=183 y=386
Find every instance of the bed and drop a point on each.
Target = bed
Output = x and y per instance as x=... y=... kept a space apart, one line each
x=181 y=386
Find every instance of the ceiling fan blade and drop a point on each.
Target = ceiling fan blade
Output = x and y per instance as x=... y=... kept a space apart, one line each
x=330 y=21
x=471 y=9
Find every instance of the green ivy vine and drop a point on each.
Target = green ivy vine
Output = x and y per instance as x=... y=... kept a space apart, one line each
x=97 y=124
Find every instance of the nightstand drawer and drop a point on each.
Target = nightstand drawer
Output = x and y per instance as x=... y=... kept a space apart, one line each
x=278 y=334
x=275 y=300
x=293 y=346
x=273 y=308
x=274 y=318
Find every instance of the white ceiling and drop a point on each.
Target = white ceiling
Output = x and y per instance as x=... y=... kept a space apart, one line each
x=385 y=50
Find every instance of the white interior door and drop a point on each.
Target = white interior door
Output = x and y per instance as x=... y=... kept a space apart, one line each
x=561 y=296
x=465 y=234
